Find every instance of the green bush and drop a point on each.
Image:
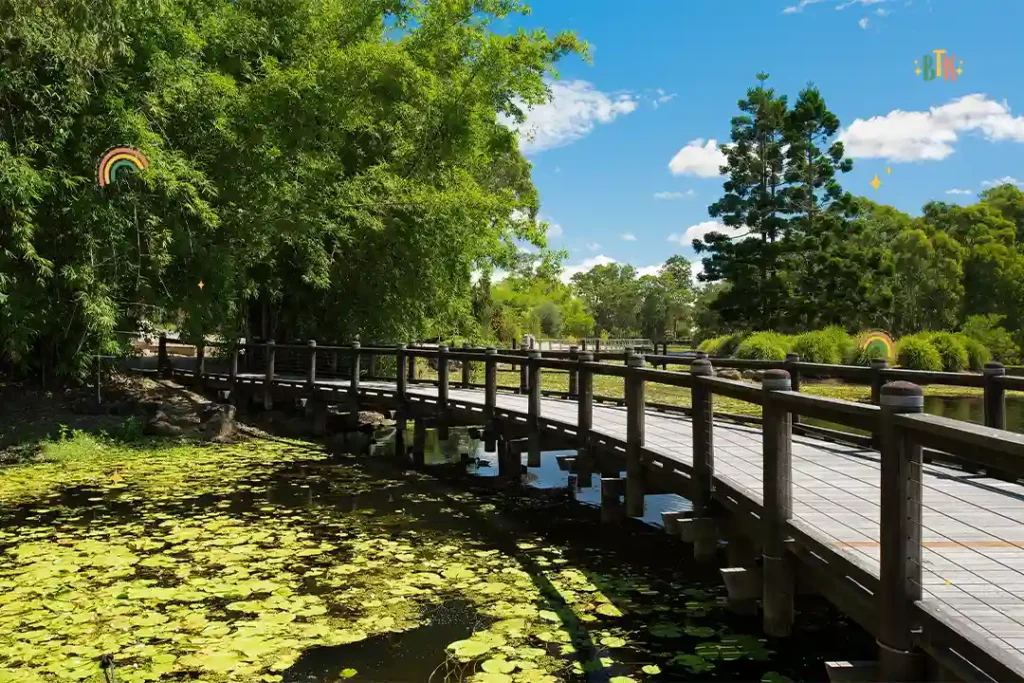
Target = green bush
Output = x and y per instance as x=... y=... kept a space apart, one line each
x=831 y=345
x=954 y=355
x=916 y=352
x=977 y=353
x=765 y=346
x=987 y=330
x=866 y=355
x=723 y=346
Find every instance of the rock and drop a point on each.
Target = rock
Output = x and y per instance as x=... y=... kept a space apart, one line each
x=749 y=374
x=219 y=422
x=218 y=411
x=374 y=419
x=730 y=373
x=161 y=428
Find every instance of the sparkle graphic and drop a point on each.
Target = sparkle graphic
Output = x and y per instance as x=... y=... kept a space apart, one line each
x=960 y=68
x=201 y=285
x=875 y=182
x=917 y=69
x=888 y=171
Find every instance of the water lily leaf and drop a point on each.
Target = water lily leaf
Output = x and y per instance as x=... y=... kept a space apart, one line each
x=549 y=615
x=498 y=666
x=652 y=669
x=613 y=641
x=348 y=673
x=487 y=677
x=621 y=679
x=469 y=649
x=609 y=610
x=699 y=631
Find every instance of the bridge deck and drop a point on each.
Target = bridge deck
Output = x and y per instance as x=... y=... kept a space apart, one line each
x=973 y=532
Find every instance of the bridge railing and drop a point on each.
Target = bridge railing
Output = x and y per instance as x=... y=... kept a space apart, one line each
x=893 y=604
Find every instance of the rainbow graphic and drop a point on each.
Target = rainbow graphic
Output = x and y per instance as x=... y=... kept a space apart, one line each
x=878 y=342
x=116 y=159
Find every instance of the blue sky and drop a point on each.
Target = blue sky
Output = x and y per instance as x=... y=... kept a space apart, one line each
x=666 y=75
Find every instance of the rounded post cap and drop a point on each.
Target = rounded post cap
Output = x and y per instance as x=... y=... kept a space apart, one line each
x=355 y=344
x=635 y=361
x=702 y=354
x=903 y=395
x=792 y=357
x=994 y=368
x=311 y=342
x=701 y=366
x=403 y=347
x=776 y=380
x=574 y=348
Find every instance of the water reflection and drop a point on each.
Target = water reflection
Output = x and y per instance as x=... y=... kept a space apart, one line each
x=552 y=472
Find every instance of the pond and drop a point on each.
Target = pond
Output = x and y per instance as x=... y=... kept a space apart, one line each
x=271 y=560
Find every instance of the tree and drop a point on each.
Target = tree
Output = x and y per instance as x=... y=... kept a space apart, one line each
x=754 y=204
x=307 y=158
x=613 y=296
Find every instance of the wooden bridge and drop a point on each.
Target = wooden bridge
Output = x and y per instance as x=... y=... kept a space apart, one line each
x=916 y=531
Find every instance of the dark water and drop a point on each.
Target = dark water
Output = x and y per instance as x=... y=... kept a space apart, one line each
x=971 y=409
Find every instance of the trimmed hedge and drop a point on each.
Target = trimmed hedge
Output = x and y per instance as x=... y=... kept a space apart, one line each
x=977 y=353
x=831 y=345
x=725 y=345
x=765 y=346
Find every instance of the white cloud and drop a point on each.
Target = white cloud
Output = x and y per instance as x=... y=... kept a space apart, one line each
x=575 y=108
x=674 y=195
x=850 y=3
x=585 y=265
x=663 y=98
x=700 y=230
x=929 y=135
x=1005 y=180
x=696 y=268
x=863 y=23
x=699 y=159
x=628 y=236
x=800 y=7
x=882 y=12
x=649 y=270
x=958 y=191
x=593 y=246
x=554 y=230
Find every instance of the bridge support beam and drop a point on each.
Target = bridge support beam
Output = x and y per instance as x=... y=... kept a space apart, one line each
x=851 y=672
x=671 y=520
x=584 y=420
x=316 y=411
x=702 y=528
x=635 y=406
x=612 y=509
x=899 y=585
x=777 y=497
x=702 y=532
x=743 y=585
x=419 y=442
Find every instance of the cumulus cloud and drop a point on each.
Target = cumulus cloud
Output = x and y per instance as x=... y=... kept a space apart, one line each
x=593 y=246
x=663 y=97
x=674 y=195
x=1005 y=180
x=696 y=268
x=585 y=265
x=698 y=158
x=958 y=191
x=573 y=112
x=628 y=236
x=700 y=230
x=649 y=270
x=850 y=3
x=863 y=23
x=930 y=135
x=554 y=230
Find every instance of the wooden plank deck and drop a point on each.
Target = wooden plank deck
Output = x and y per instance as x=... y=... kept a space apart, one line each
x=973 y=532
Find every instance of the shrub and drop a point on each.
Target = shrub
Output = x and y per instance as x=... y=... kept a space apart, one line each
x=951 y=350
x=725 y=345
x=831 y=345
x=987 y=330
x=866 y=355
x=765 y=346
x=977 y=353
x=917 y=353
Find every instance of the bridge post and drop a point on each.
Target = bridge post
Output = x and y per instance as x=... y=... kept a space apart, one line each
x=163 y=361
x=233 y=374
x=995 y=396
x=584 y=420
x=664 y=352
x=353 y=387
x=899 y=583
x=401 y=392
x=371 y=365
x=490 y=399
x=794 y=378
x=412 y=364
x=574 y=386
x=635 y=407
x=467 y=369
x=201 y=363
x=311 y=367
x=877 y=380
x=442 y=391
x=524 y=374
x=703 y=532
x=268 y=376
x=597 y=345
x=534 y=368
x=419 y=442
x=777 y=440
